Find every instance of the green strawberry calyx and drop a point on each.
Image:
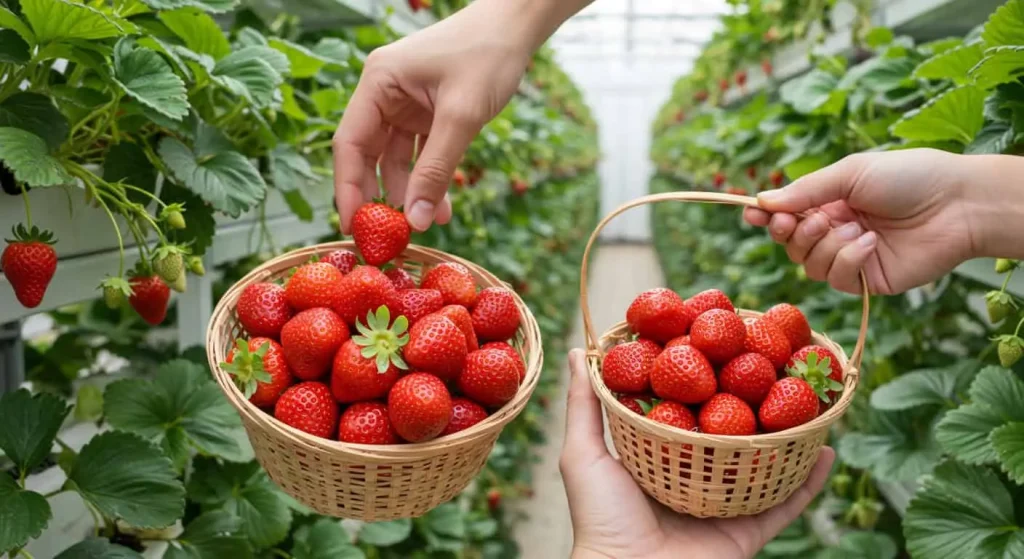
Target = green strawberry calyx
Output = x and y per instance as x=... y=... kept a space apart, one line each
x=115 y=291
x=247 y=367
x=21 y=234
x=645 y=405
x=815 y=372
x=169 y=262
x=382 y=340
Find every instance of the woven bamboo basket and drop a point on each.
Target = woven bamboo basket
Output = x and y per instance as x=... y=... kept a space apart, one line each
x=368 y=482
x=712 y=475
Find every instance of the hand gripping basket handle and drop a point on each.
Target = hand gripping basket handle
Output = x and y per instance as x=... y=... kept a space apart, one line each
x=593 y=346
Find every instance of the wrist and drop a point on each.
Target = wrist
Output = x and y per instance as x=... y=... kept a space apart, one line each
x=531 y=22
x=993 y=195
x=583 y=552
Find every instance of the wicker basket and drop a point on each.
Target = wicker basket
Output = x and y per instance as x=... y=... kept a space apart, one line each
x=711 y=475
x=367 y=482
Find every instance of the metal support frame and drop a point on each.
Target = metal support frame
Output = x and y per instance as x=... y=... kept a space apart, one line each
x=12 y=357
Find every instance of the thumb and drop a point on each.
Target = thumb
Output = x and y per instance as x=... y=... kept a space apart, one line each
x=450 y=135
x=584 y=432
x=830 y=184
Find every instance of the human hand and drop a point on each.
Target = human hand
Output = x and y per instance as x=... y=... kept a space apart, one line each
x=612 y=517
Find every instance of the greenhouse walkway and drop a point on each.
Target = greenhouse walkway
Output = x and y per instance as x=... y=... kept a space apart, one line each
x=546 y=533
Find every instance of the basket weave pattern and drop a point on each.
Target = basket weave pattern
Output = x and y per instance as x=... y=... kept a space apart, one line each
x=368 y=482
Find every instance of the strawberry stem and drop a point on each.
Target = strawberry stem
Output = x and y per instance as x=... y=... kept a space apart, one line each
x=382 y=340
x=28 y=205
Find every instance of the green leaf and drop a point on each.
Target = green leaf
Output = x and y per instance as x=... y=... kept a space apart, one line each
x=200 y=225
x=81 y=97
x=89 y=403
x=994 y=138
x=23 y=514
x=1001 y=390
x=1005 y=26
x=962 y=511
x=98 y=548
x=324 y=539
x=964 y=433
x=289 y=170
x=878 y=37
x=26 y=155
x=862 y=545
x=304 y=63
x=878 y=74
x=329 y=102
x=212 y=6
x=222 y=177
x=198 y=31
x=806 y=165
x=919 y=388
x=955 y=115
x=298 y=204
x=809 y=93
x=13 y=48
x=127 y=162
x=1000 y=65
x=251 y=73
x=245 y=491
x=334 y=49
x=953 y=64
x=387 y=533
x=30 y=424
x=893 y=449
x=289 y=105
x=447 y=520
x=11 y=21
x=211 y=535
x=61 y=20
x=126 y=477
x=1008 y=442
x=181 y=399
x=149 y=79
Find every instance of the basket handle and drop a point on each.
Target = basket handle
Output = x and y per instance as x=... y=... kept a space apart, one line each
x=711 y=198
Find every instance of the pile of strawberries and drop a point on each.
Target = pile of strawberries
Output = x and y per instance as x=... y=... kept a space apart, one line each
x=362 y=354
x=697 y=365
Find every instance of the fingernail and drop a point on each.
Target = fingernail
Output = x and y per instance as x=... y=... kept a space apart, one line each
x=420 y=215
x=576 y=364
x=849 y=232
x=817 y=224
x=868 y=240
x=771 y=196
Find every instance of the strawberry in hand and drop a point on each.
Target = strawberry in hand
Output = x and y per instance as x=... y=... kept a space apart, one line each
x=381 y=232
x=29 y=263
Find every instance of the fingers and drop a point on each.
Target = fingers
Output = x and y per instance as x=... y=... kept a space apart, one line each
x=450 y=135
x=805 y=236
x=357 y=144
x=776 y=519
x=584 y=431
x=846 y=266
x=832 y=183
x=394 y=164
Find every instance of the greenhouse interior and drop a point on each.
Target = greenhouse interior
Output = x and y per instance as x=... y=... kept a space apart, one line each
x=512 y=278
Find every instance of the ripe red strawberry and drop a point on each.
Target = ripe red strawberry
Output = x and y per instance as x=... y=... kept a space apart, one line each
x=367 y=423
x=420 y=407
x=417 y=5
x=465 y=414
x=260 y=370
x=723 y=84
x=414 y=304
x=766 y=67
x=790 y=402
x=381 y=232
x=764 y=337
x=461 y=317
x=149 y=298
x=776 y=177
x=820 y=368
x=651 y=345
x=679 y=116
x=749 y=376
x=519 y=186
x=635 y=403
x=490 y=377
x=363 y=290
x=308 y=407
x=725 y=414
x=658 y=314
x=313 y=285
x=263 y=309
x=511 y=352
x=29 y=263
x=493 y=499
x=310 y=340
x=681 y=340
x=459 y=178
x=495 y=315
x=741 y=78
x=436 y=345
x=684 y=375
x=792 y=322
x=355 y=378
x=673 y=414
x=344 y=260
x=455 y=283
x=400 y=278
x=719 y=335
x=705 y=301
x=752 y=172
x=718 y=179
x=700 y=96
x=627 y=367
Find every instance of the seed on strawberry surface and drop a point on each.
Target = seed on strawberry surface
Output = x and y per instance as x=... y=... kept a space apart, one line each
x=400 y=278
x=792 y=322
x=749 y=376
x=681 y=340
x=368 y=365
x=658 y=314
x=436 y=345
x=344 y=260
x=313 y=285
x=719 y=335
x=673 y=414
x=260 y=370
x=149 y=298
x=381 y=232
x=725 y=414
x=263 y=309
x=512 y=353
x=465 y=414
x=490 y=377
x=308 y=407
x=820 y=368
x=790 y=402
x=310 y=340
x=496 y=315
x=454 y=281
x=461 y=317
x=705 y=301
x=684 y=375
x=419 y=406
x=363 y=290
x=764 y=337
x=414 y=304
x=367 y=423
x=627 y=367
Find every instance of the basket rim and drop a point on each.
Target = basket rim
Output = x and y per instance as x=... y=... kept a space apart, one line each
x=495 y=421
x=851 y=378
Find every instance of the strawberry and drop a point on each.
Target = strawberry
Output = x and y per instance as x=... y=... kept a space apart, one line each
x=115 y=292
x=792 y=322
x=169 y=263
x=313 y=285
x=465 y=414
x=999 y=305
x=749 y=376
x=752 y=172
x=263 y=309
x=519 y=187
x=367 y=423
x=308 y=407
x=419 y=406
x=651 y=345
x=496 y=315
x=790 y=402
x=195 y=265
x=764 y=337
x=436 y=345
x=310 y=340
x=684 y=375
x=414 y=304
x=149 y=298
x=679 y=116
x=455 y=283
x=723 y=84
x=658 y=314
x=718 y=179
x=344 y=260
x=511 y=352
x=705 y=301
x=725 y=414
x=180 y=284
x=776 y=177
x=459 y=178
x=381 y=232
x=493 y=499
x=29 y=263
x=1009 y=350
x=490 y=377
x=820 y=368
x=461 y=317
x=1004 y=265
x=400 y=278
x=681 y=340
x=260 y=370
x=766 y=67
x=700 y=96
x=741 y=79
x=627 y=367
x=368 y=365
x=417 y=5
x=636 y=403
x=719 y=335
x=673 y=414
x=363 y=290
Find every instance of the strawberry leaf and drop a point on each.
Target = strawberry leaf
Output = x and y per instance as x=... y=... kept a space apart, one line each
x=198 y=31
x=28 y=157
x=955 y=115
x=25 y=514
x=144 y=75
x=37 y=114
x=30 y=424
x=64 y=20
x=895 y=446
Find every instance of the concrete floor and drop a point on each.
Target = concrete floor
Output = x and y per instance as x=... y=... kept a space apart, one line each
x=618 y=274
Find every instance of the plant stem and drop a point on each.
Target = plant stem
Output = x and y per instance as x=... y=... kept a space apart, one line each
x=28 y=206
x=22 y=552
x=53 y=493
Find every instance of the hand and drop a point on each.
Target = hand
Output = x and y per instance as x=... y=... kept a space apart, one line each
x=612 y=517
